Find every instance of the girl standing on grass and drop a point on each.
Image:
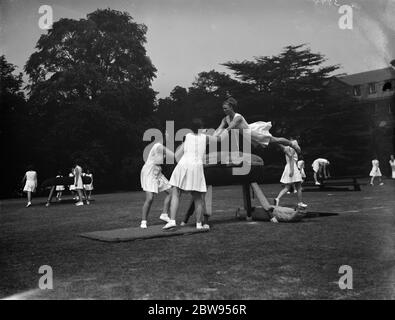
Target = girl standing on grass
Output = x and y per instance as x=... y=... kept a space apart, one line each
x=78 y=184
x=375 y=172
x=30 y=179
x=59 y=188
x=392 y=164
x=188 y=175
x=88 y=187
x=72 y=186
x=291 y=176
x=153 y=181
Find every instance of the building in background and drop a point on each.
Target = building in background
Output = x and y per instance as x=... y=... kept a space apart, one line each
x=375 y=91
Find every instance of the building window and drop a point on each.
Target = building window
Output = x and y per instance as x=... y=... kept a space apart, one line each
x=357 y=91
x=387 y=86
x=372 y=88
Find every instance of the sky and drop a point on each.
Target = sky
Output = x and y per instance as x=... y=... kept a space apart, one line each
x=186 y=37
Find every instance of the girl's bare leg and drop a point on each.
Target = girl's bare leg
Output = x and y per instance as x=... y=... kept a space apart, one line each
x=191 y=210
x=149 y=197
x=80 y=195
x=29 y=196
x=282 y=192
x=298 y=187
x=197 y=198
x=166 y=202
x=175 y=199
x=285 y=142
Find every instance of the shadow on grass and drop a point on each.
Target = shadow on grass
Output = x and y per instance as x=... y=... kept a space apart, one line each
x=325 y=189
x=65 y=201
x=311 y=215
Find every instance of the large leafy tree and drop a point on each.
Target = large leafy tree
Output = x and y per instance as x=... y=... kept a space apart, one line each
x=14 y=127
x=90 y=86
x=297 y=92
x=101 y=58
x=281 y=86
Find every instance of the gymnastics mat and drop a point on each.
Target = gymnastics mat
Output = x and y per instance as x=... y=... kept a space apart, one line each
x=131 y=234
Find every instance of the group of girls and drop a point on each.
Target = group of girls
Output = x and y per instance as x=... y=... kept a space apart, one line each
x=79 y=190
x=188 y=175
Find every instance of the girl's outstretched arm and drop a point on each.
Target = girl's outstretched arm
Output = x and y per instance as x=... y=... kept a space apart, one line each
x=221 y=128
x=169 y=154
x=234 y=123
x=179 y=152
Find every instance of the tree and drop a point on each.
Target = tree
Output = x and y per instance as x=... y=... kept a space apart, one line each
x=14 y=127
x=90 y=85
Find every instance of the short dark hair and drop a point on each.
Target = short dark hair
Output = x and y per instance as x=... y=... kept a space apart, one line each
x=232 y=102
x=197 y=123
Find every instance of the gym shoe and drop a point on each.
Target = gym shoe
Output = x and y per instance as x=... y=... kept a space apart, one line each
x=199 y=225
x=170 y=224
x=47 y=204
x=28 y=204
x=143 y=224
x=302 y=205
x=183 y=224
x=317 y=183
x=206 y=226
x=165 y=217
x=382 y=183
x=79 y=203
x=274 y=220
x=87 y=202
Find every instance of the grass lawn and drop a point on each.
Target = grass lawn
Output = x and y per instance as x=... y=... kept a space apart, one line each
x=235 y=260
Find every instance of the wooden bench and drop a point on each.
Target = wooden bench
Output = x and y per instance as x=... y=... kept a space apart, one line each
x=344 y=181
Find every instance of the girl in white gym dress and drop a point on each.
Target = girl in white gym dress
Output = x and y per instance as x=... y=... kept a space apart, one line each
x=291 y=176
x=30 y=179
x=188 y=175
x=153 y=181
x=375 y=172
x=258 y=131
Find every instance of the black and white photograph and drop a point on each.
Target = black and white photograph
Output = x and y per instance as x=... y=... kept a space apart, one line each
x=215 y=152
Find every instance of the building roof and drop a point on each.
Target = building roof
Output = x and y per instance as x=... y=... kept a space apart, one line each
x=369 y=76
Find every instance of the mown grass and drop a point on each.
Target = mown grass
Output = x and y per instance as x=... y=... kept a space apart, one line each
x=235 y=260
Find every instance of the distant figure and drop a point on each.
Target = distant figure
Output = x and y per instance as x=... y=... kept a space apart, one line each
x=30 y=180
x=291 y=177
x=392 y=164
x=72 y=186
x=88 y=187
x=320 y=168
x=153 y=181
x=301 y=166
x=78 y=184
x=59 y=188
x=375 y=172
